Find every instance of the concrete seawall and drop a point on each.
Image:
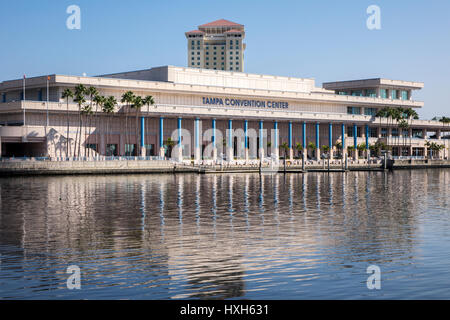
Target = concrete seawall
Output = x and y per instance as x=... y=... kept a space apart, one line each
x=33 y=167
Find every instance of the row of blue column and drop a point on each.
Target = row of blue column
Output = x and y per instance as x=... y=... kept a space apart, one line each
x=261 y=126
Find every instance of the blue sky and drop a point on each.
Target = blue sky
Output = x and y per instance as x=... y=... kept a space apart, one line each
x=325 y=40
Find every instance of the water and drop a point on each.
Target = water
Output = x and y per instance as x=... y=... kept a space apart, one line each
x=232 y=236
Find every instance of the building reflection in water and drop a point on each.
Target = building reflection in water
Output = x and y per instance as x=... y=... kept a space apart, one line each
x=208 y=236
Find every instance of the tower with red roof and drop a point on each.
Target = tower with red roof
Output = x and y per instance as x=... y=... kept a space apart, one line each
x=218 y=45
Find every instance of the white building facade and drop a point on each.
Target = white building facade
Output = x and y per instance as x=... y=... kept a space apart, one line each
x=213 y=114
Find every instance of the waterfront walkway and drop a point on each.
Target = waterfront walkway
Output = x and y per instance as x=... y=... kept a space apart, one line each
x=134 y=165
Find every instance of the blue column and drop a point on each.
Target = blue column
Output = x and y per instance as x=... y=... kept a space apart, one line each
x=214 y=133
x=343 y=136
x=317 y=136
x=179 y=131
x=142 y=132
x=367 y=137
x=330 y=138
x=275 y=127
x=230 y=137
x=261 y=136
x=197 y=133
x=246 y=133
x=304 y=135
x=355 y=136
x=290 y=134
x=161 y=132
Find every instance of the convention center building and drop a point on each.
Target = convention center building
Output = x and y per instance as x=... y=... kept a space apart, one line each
x=212 y=114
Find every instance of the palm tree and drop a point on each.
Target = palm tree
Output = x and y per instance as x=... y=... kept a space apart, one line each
x=382 y=113
x=312 y=146
x=338 y=146
x=108 y=108
x=411 y=115
x=350 y=149
x=137 y=104
x=66 y=95
x=361 y=147
x=170 y=144
x=403 y=125
x=284 y=146
x=80 y=99
x=128 y=98
x=99 y=102
x=148 y=101
x=92 y=92
x=299 y=148
x=87 y=112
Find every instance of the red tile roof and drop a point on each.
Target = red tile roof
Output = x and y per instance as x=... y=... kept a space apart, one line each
x=234 y=31
x=221 y=23
x=195 y=31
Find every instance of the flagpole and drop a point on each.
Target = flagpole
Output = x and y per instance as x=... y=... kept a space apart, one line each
x=24 y=100
x=47 y=98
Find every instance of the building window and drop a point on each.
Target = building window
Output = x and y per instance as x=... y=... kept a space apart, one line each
x=207 y=53
x=237 y=42
x=404 y=95
x=342 y=93
x=198 y=63
x=111 y=150
x=357 y=93
x=198 y=42
x=231 y=63
x=193 y=42
x=198 y=58
x=193 y=58
x=373 y=132
x=353 y=110
x=4 y=97
x=231 y=58
x=40 y=95
x=384 y=132
x=394 y=94
x=198 y=52
x=417 y=133
x=405 y=133
x=370 y=111
x=193 y=63
x=371 y=93
x=215 y=52
x=394 y=132
x=130 y=150
x=207 y=63
x=350 y=132
x=207 y=58
x=237 y=62
x=231 y=42
x=215 y=58
x=383 y=93
x=231 y=68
